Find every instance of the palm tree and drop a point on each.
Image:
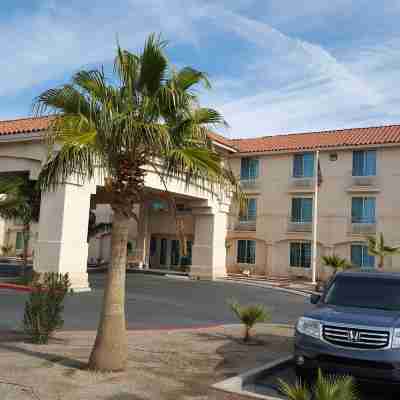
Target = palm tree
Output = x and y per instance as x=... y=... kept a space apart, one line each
x=20 y=200
x=325 y=388
x=249 y=316
x=146 y=116
x=336 y=262
x=378 y=248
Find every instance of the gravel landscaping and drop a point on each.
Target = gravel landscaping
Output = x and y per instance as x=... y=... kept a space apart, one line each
x=167 y=364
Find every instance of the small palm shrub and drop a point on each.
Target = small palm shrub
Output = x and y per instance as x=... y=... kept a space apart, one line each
x=325 y=388
x=249 y=316
x=44 y=308
x=336 y=262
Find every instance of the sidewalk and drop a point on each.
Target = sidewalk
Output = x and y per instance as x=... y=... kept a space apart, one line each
x=304 y=288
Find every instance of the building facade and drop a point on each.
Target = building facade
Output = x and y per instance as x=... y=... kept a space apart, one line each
x=359 y=195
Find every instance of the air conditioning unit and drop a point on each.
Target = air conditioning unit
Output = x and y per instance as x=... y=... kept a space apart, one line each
x=302 y=182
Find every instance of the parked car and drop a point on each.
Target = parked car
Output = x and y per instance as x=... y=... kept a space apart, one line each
x=354 y=329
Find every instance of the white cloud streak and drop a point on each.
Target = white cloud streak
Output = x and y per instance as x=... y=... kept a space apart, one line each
x=283 y=83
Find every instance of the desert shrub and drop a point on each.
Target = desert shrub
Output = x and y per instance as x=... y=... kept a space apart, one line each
x=44 y=308
x=249 y=316
x=326 y=388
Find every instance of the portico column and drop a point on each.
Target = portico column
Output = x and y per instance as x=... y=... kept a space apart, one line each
x=62 y=242
x=209 y=250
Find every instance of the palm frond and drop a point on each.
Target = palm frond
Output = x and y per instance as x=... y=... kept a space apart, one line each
x=153 y=63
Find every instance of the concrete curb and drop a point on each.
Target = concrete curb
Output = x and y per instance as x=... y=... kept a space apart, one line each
x=233 y=388
x=267 y=286
x=13 y=286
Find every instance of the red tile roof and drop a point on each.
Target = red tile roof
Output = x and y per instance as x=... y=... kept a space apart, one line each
x=24 y=125
x=292 y=142
x=319 y=140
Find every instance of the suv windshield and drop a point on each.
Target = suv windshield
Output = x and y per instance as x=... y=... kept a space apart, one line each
x=378 y=293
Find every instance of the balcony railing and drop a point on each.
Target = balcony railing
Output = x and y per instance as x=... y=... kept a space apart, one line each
x=363 y=228
x=297 y=184
x=299 y=226
x=363 y=183
x=246 y=225
x=249 y=183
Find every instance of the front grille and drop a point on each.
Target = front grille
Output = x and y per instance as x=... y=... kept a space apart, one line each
x=357 y=338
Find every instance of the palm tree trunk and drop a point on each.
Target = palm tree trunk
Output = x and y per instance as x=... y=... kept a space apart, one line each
x=110 y=350
x=381 y=263
x=25 y=236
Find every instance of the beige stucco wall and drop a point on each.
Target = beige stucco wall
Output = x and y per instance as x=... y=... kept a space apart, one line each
x=274 y=193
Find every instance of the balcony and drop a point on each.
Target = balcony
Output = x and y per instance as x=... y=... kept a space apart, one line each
x=363 y=228
x=250 y=184
x=301 y=184
x=364 y=184
x=245 y=225
x=299 y=227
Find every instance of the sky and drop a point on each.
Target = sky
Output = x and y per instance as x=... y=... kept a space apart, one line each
x=276 y=66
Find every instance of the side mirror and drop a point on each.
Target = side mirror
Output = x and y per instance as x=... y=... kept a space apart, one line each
x=315 y=298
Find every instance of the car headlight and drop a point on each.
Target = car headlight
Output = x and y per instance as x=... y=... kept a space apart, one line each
x=310 y=327
x=396 y=339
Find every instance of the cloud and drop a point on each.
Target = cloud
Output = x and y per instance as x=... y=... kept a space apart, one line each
x=294 y=85
x=277 y=66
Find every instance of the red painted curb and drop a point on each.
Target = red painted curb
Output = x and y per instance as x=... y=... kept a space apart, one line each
x=13 y=286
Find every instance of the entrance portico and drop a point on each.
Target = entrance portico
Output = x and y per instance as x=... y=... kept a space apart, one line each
x=60 y=244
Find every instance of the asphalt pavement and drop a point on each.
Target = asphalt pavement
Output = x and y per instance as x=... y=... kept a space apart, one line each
x=154 y=302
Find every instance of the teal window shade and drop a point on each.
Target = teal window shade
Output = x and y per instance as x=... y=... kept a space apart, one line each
x=246 y=251
x=303 y=165
x=250 y=210
x=249 y=168
x=187 y=260
x=19 y=241
x=300 y=255
x=364 y=163
x=302 y=210
x=360 y=257
x=174 y=252
x=363 y=210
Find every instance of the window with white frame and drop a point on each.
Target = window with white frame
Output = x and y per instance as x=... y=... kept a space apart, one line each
x=249 y=168
x=300 y=254
x=364 y=163
x=302 y=209
x=360 y=256
x=246 y=251
x=303 y=165
x=249 y=212
x=363 y=210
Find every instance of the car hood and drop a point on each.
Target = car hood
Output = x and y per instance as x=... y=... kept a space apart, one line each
x=356 y=316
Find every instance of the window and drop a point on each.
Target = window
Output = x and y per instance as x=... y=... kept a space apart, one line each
x=246 y=251
x=153 y=246
x=302 y=210
x=363 y=210
x=163 y=251
x=19 y=241
x=360 y=256
x=303 y=165
x=187 y=260
x=300 y=255
x=174 y=252
x=249 y=168
x=364 y=163
x=250 y=211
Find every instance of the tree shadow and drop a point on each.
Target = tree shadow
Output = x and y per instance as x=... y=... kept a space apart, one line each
x=49 y=357
x=124 y=396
